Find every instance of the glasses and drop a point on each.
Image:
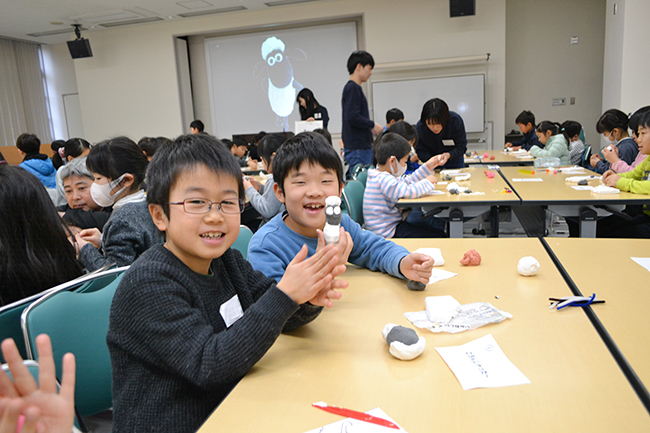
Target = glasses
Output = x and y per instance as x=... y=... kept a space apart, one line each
x=203 y=206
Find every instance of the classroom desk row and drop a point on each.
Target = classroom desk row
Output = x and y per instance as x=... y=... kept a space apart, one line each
x=342 y=359
x=499 y=157
x=540 y=188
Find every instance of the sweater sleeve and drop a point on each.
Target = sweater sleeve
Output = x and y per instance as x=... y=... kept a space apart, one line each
x=372 y=251
x=412 y=186
x=423 y=148
x=120 y=242
x=633 y=181
x=460 y=139
x=267 y=204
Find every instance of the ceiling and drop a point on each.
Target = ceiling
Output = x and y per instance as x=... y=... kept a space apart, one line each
x=50 y=21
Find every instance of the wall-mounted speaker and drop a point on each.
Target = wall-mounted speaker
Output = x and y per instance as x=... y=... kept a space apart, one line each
x=462 y=8
x=80 y=48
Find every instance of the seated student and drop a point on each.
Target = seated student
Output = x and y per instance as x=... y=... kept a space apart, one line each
x=571 y=131
x=118 y=166
x=408 y=131
x=441 y=132
x=150 y=145
x=58 y=148
x=635 y=181
x=617 y=164
x=526 y=123
x=613 y=125
x=264 y=201
x=191 y=317
x=38 y=164
x=2 y=158
x=35 y=253
x=72 y=148
x=238 y=148
x=555 y=144
x=393 y=115
x=80 y=210
x=253 y=152
x=306 y=171
x=27 y=405
x=385 y=186
x=310 y=109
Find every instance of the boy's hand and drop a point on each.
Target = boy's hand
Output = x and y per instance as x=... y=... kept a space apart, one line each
x=611 y=155
x=252 y=164
x=594 y=160
x=432 y=178
x=416 y=267
x=94 y=236
x=256 y=184
x=433 y=162
x=377 y=129
x=515 y=147
x=507 y=145
x=304 y=279
x=247 y=182
x=414 y=158
x=610 y=178
x=344 y=246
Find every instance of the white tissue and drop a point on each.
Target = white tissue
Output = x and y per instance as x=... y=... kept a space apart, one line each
x=528 y=266
x=434 y=253
x=604 y=189
x=441 y=309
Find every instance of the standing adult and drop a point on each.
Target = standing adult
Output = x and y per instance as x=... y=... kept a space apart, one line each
x=357 y=128
x=441 y=132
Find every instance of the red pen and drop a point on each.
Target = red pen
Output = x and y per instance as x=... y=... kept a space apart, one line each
x=355 y=414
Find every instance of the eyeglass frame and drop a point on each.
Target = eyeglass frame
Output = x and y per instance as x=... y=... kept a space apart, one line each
x=219 y=204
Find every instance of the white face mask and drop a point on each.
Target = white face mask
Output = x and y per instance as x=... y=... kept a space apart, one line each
x=400 y=171
x=101 y=194
x=612 y=142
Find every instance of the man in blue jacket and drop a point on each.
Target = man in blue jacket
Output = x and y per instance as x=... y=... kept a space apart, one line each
x=36 y=163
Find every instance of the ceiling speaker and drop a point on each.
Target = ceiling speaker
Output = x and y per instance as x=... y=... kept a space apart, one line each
x=462 y=8
x=80 y=48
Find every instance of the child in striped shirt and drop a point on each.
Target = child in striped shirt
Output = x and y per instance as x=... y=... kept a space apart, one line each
x=385 y=186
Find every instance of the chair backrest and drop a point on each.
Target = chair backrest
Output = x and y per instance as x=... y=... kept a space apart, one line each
x=241 y=244
x=362 y=177
x=353 y=198
x=10 y=314
x=585 y=155
x=77 y=322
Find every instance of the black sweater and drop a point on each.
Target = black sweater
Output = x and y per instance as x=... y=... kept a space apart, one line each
x=173 y=358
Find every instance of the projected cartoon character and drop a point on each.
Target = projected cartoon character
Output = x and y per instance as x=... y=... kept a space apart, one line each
x=278 y=80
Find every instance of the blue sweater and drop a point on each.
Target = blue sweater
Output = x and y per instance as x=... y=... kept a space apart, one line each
x=273 y=246
x=529 y=140
x=430 y=144
x=40 y=166
x=627 y=151
x=357 y=126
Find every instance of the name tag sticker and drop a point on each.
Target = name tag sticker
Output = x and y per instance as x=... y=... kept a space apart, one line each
x=448 y=142
x=231 y=311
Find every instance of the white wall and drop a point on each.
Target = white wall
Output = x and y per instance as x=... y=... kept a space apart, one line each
x=542 y=64
x=636 y=56
x=130 y=86
x=61 y=80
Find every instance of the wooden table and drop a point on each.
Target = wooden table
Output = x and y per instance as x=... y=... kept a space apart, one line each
x=459 y=207
x=501 y=158
x=341 y=358
x=558 y=196
x=622 y=283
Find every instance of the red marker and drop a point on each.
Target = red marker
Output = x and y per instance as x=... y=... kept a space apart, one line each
x=355 y=414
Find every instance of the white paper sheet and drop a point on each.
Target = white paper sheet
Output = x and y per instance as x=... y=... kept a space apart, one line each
x=481 y=364
x=582 y=187
x=643 y=261
x=350 y=425
x=439 y=275
x=436 y=192
x=528 y=179
x=435 y=254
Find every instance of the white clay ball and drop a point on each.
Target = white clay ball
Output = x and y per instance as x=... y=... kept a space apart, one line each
x=528 y=266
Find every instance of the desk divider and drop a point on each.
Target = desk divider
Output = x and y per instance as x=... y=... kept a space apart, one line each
x=628 y=371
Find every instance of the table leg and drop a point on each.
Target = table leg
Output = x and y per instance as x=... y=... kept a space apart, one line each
x=494 y=221
x=588 y=219
x=456 y=223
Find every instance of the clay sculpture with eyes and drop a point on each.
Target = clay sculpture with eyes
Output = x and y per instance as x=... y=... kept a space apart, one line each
x=332 y=219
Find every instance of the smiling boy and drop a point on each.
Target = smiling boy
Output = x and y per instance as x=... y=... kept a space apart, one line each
x=307 y=170
x=191 y=317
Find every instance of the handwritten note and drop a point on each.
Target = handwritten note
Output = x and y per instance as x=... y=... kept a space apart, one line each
x=481 y=364
x=349 y=425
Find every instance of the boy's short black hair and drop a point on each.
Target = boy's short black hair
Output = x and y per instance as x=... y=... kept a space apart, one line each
x=325 y=133
x=391 y=144
x=360 y=57
x=269 y=144
x=635 y=119
x=28 y=143
x=305 y=147
x=394 y=114
x=435 y=111
x=525 y=117
x=198 y=125
x=185 y=153
x=239 y=142
x=406 y=130
x=644 y=118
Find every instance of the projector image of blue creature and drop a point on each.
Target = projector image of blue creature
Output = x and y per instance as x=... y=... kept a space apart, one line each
x=278 y=81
